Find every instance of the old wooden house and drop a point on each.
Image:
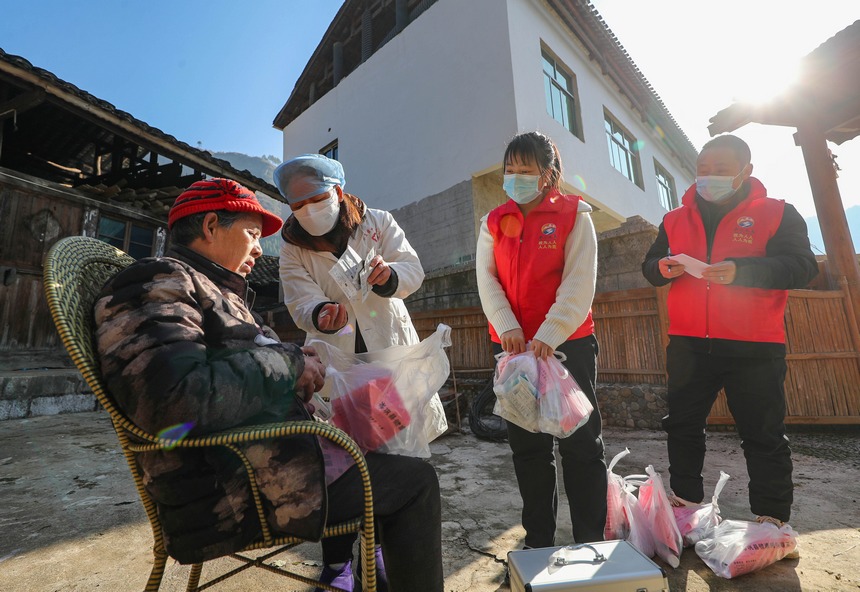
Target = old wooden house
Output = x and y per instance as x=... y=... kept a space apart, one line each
x=72 y=164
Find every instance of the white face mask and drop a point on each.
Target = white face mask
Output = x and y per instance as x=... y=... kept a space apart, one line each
x=714 y=188
x=320 y=217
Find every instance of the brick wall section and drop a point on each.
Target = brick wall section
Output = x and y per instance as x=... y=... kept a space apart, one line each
x=620 y=253
x=441 y=227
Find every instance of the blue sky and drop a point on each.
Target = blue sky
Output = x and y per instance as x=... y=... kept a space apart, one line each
x=218 y=72
x=214 y=72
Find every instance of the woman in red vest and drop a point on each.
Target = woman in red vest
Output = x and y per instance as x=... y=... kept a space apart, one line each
x=536 y=269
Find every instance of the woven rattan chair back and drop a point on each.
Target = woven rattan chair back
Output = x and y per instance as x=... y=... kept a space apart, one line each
x=76 y=268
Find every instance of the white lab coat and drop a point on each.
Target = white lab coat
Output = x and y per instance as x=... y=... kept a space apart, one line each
x=383 y=322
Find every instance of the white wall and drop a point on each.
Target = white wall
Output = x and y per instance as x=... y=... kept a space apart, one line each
x=438 y=103
x=425 y=112
x=530 y=23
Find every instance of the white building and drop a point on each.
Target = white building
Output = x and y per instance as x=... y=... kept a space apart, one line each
x=418 y=99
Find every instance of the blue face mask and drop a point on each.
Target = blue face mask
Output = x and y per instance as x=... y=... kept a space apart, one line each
x=522 y=188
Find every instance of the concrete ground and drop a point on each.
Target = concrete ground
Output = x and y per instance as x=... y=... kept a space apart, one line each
x=71 y=519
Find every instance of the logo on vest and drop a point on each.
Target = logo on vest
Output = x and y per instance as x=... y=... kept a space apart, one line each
x=744 y=232
x=549 y=238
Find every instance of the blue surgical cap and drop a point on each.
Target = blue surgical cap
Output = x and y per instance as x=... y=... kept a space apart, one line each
x=320 y=173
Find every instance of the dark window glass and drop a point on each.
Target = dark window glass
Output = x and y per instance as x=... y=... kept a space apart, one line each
x=112 y=231
x=140 y=242
x=135 y=240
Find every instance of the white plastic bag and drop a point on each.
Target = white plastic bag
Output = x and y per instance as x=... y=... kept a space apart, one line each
x=617 y=525
x=387 y=400
x=539 y=395
x=658 y=511
x=640 y=531
x=737 y=547
x=564 y=408
x=515 y=384
x=696 y=521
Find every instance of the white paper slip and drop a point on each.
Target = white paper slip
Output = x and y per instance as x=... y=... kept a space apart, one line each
x=691 y=265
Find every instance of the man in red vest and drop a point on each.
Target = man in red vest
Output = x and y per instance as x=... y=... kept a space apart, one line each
x=726 y=327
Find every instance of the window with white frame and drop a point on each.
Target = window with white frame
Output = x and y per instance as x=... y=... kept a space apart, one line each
x=136 y=240
x=623 y=150
x=562 y=102
x=665 y=187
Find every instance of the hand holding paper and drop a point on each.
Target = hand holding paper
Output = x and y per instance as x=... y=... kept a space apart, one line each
x=691 y=265
x=718 y=273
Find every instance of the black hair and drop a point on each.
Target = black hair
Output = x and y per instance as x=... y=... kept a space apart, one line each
x=536 y=147
x=740 y=148
x=189 y=228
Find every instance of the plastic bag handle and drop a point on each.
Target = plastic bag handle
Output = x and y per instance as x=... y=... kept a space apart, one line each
x=562 y=357
x=637 y=480
x=617 y=457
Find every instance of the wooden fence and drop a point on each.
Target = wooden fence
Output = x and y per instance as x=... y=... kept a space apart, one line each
x=822 y=343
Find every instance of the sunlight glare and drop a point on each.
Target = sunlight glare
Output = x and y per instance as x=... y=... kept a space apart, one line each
x=768 y=82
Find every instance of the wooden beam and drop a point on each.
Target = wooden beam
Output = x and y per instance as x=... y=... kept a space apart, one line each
x=21 y=103
x=841 y=259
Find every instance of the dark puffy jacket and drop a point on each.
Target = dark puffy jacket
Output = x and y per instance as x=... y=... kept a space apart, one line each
x=180 y=347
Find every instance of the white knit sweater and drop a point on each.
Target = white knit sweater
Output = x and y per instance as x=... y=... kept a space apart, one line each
x=573 y=297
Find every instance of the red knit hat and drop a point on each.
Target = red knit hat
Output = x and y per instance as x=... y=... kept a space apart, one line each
x=221 y=194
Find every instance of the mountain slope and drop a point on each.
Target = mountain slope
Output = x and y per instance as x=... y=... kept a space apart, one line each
x=852 y=214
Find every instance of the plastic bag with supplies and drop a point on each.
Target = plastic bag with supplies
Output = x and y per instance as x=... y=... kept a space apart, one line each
x=658 y=511
x=617 y=525
x=737 y=547
x=387 y=400
x=539 y=395
x=640 y=535
x=515 y=383
x=696 y=521
x=564 y=408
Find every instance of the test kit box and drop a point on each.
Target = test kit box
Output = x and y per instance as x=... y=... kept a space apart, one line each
x=606 y=566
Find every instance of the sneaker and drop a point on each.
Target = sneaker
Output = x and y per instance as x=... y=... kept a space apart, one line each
x=770 y=520
x=339 y=578
x=794 y=553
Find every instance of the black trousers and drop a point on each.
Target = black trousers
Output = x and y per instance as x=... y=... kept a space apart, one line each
x=755 y=394
x=407 y=509
x=582 y=462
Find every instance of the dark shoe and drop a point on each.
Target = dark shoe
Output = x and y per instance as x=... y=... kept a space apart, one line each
x=339 y=578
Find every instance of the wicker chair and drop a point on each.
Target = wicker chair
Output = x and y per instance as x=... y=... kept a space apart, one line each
x=75 y=270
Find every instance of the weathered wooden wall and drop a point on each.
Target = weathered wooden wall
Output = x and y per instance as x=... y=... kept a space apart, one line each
x=30 y=222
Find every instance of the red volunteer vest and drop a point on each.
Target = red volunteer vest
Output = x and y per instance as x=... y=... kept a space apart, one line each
x=700 y=309
x=529 y=255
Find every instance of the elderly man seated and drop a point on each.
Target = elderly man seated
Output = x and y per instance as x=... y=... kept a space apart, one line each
x=179 y=346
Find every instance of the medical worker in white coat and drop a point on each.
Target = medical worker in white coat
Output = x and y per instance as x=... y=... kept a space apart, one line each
x=325 y=221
